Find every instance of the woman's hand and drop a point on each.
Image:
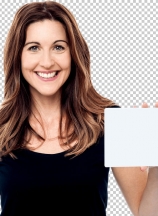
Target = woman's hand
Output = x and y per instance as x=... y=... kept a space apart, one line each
x=145 y=105
x=140 y=189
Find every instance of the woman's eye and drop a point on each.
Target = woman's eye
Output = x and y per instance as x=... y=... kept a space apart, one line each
x=33 y=48
x=59 y=48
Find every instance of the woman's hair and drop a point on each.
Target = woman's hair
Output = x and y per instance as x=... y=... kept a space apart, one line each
x=83 y=106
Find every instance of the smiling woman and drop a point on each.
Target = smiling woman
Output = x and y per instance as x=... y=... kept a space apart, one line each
x=51 y=140
x=46 y=59
x=52 y=124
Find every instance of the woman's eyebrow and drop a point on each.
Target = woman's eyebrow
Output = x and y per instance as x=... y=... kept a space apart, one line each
x=34 y=42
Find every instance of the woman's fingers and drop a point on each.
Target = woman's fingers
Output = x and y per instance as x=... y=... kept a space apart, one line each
x=144 y=168
x=156 y=104
x=145 y=105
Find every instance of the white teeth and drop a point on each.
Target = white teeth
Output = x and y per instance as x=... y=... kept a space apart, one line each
x=49 y=75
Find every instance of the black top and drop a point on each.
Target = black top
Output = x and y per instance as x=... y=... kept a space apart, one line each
x=53 y=185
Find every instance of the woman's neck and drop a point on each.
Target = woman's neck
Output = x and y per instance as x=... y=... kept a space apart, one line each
x=46 y=114
x=48 y=109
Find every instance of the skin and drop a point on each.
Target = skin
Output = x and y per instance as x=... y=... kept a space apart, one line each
x=148 y=205
x=45 y=57
x=48 y=55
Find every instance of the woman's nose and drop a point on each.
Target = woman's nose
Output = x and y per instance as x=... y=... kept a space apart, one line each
x=47 y=60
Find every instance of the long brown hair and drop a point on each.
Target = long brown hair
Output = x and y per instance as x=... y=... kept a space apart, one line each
x=82 y=104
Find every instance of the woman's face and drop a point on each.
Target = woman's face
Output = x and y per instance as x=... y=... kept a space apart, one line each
x=46 y=59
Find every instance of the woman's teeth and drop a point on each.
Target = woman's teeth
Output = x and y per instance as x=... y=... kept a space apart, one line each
x=49 y=75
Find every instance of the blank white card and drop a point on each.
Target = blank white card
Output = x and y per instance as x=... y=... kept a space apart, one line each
x=131 y=137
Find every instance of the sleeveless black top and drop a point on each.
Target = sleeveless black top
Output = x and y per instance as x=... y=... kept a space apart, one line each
x=38 y=184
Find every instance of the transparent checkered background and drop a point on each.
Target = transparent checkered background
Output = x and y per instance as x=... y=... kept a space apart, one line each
x=123 y=40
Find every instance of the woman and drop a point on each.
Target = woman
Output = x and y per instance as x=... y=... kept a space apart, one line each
x=51 y=124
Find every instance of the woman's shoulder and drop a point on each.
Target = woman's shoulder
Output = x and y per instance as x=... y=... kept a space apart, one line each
x=114 y=106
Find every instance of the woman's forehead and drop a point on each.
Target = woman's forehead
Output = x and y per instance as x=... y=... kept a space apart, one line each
x=46 y=29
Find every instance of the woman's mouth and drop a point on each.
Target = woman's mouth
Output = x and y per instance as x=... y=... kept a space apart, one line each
x=47 y=75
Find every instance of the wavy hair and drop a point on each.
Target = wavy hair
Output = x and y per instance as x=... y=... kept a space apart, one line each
x=83 y=106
